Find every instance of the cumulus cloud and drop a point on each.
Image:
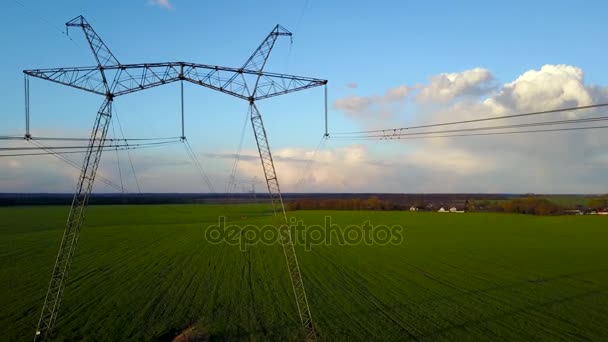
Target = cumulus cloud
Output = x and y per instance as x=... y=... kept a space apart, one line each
x=353 y=105
x=553 y=86
x=566 y=162
x=374 y=105
x=448 y=86
x=337 y=170
x=442 y=88
x=161 y=3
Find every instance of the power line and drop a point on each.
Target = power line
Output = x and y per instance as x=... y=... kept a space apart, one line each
x=40 y=146
x=74 y=165
x=309 y=162
x=198 y=164
x=394 y=130
x=43 y=19
x=122 y=133
x=472 y=134
x=141 y=147
x=122 y=185
x=237 y=157
x=460 y=130
x=16 y=137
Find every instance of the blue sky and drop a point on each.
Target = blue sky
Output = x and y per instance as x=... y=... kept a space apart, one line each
x=364 y=49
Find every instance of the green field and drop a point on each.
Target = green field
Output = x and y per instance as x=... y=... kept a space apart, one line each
x=145 y=273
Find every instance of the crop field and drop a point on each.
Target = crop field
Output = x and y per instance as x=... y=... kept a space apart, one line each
x=147 y=273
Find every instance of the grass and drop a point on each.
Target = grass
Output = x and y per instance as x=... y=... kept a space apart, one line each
x=146 y=273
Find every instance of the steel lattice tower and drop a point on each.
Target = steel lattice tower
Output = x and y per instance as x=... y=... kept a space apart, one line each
x=250 y=83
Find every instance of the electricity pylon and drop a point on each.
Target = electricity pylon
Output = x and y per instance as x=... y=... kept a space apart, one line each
x=110 y=79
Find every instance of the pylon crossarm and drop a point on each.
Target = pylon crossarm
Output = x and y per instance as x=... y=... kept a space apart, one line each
x=139 y=77
x=130 y=78
x=102 y=53
x=84 y=78
x=258 y=58
x=270 y=85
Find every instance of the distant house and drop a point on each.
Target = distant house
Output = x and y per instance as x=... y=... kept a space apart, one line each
x=413 y=209
x=441 y=210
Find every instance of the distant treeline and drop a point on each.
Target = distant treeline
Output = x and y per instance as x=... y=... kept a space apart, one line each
x=403 y=200
x=510 y=203
x=534 y=205
x=371 y=203
x=531 y=205
x=598 y=203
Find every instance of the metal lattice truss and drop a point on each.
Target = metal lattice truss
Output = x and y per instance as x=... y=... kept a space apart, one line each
x=130 y=78
x=110 y=79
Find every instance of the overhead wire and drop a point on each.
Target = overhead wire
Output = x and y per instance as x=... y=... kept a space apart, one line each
x=310 y=160
x=47 y=22
x=296 y=30
x=198 y=165
x=20 y=137
x=477 y=134
x=12 y=137
x=122 y=185
x=131 y=147
x=501 y=117
x=40 y=146
x=74 y=164
x=235 y=165
x=122 y=133
x=389 y=136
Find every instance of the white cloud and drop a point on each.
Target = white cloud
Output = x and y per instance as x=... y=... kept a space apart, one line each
x=553 y=86
x=336 y=169
x=442 y=88
x=565 y=162
x=397 y=94
x=448 y=86
x=373 y=105
x=352 y=105
x=161 y=3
